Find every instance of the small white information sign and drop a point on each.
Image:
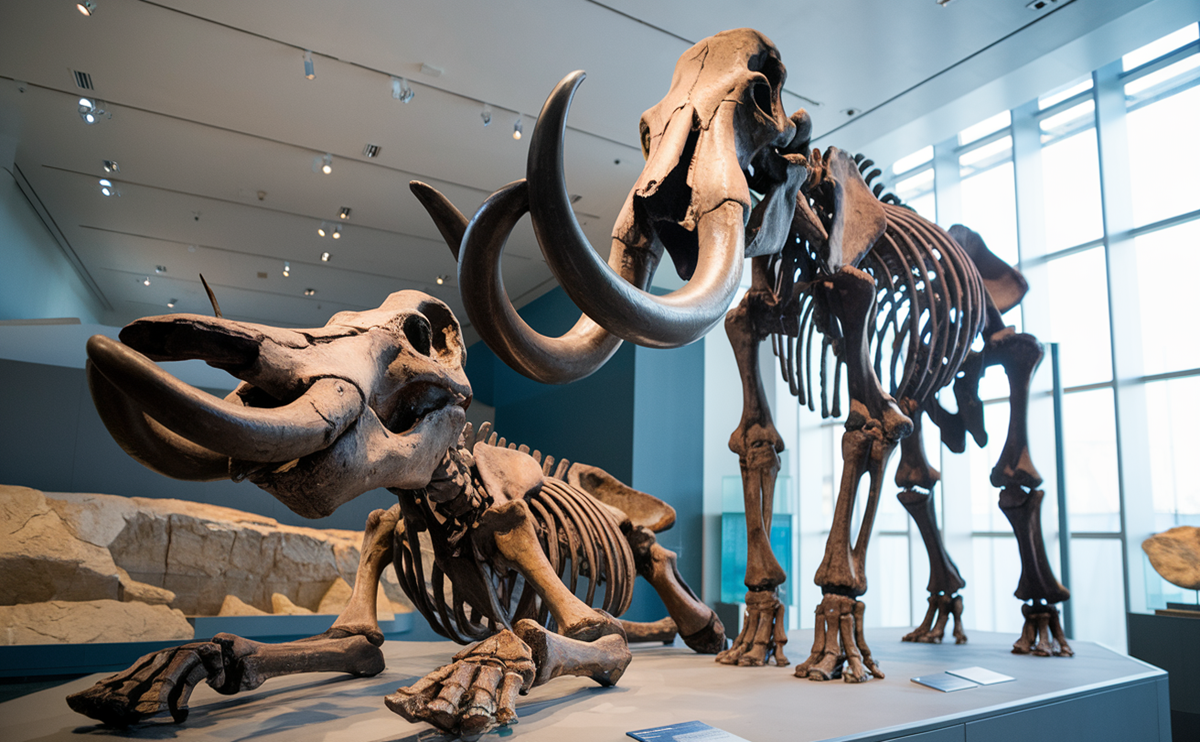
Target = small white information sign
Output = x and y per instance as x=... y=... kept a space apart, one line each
x=981 y=675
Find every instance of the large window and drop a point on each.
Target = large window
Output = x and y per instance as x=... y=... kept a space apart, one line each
x=1106 y=227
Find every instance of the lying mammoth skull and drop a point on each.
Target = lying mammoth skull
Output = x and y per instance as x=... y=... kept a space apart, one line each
x=372 y=399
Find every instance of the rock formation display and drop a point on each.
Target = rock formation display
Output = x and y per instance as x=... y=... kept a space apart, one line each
x=1175 y=554
x=89 y=567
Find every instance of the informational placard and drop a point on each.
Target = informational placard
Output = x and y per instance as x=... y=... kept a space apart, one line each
x=687 y=731
x=981 y=675
x=945 y=682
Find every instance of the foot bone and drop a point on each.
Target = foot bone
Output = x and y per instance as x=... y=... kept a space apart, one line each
x=933 y=628
x=475 y=693
x=763 y=634
x=1042 y=634
x=839 y=648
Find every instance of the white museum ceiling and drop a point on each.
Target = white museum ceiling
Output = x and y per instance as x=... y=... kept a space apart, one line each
x=215 y=126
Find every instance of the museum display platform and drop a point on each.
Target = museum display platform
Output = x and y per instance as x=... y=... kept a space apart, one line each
x=1097 y=695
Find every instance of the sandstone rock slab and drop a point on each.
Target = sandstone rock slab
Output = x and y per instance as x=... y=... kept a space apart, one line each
x=78 y=546
x=71 y=622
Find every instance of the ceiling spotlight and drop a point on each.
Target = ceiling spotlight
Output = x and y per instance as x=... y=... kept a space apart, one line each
x=486 y=114
x=344 y=213
x=160 y=269
x=321 y=229
x=337 y=232
x=309 y=71
x=287 y=269
x=518 y=128
x=146 y=281
x=440 y=280
x=91 y=110
x=107 y=188
x=111 y=166
x=324 y=257
x=171 y=303
x=87 y=8
x=309 y=292
x=327 y=164
x=401 y=90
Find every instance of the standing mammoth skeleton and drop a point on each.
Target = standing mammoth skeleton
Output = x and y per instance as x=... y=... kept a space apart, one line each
x=481 y=536
x=728 y=176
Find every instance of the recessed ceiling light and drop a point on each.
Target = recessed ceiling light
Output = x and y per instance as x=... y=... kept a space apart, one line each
x=440 y=280
x=309 y=292
x=171 y=303
x=87 y=7
x=401 y=90
x=107 y=188
x=160 y=269
x=111 y=166
x=344 y=213
x=324 y=257
x=90 y=110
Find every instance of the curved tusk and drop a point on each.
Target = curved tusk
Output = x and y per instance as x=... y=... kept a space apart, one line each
x=571 y=356
x=310 y=423
x=147 y=442
x=605 y=292
x=449 y=220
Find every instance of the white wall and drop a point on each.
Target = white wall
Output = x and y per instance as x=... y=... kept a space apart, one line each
x=36 y=279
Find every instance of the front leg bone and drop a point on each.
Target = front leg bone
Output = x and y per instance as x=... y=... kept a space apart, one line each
x=163 y=681
x=757 y=444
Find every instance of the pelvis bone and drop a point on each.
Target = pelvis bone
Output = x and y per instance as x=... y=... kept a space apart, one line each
x=372 y=399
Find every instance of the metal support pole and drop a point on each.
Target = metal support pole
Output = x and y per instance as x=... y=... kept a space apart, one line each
x=1060 y=467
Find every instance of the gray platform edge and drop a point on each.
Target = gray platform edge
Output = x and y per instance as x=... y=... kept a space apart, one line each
x=48 y=660
x=1111 y=711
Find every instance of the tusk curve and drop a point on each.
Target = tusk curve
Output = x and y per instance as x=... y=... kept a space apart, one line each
x=147 y=442
x=571 y=356
x=310 y=423
x=602 y=290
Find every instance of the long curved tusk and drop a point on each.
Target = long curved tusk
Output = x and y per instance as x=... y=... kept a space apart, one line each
x=446 y=216
x=603 y=291
x=310 y=423
x=147 y=442
x=571 y=356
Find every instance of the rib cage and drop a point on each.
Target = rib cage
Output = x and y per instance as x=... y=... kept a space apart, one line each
x=930 y=306
x=581 y=537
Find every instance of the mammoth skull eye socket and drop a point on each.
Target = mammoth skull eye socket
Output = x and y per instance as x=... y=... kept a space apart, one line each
x=645 y=141
x=419 y=334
